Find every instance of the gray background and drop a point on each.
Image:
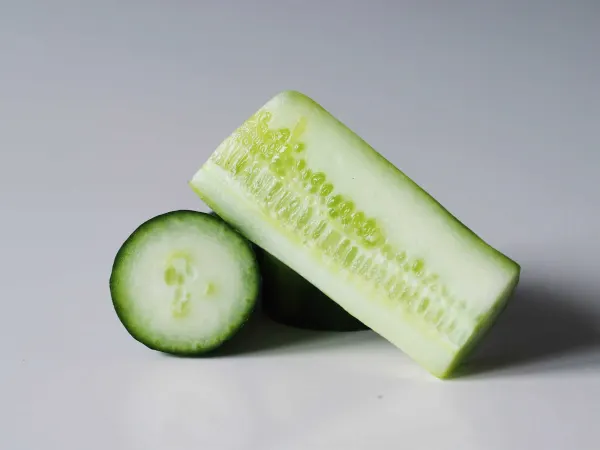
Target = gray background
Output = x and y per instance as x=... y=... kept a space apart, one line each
x=108 y=108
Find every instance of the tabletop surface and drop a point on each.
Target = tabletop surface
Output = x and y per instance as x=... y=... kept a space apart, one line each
x=108 y=108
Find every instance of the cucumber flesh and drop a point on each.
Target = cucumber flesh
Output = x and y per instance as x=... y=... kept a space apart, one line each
x=291 y=300
x=298 y=183
x=184 y=282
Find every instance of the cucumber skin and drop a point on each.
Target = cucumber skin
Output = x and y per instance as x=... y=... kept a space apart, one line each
x=138 y=335
x=291 y=300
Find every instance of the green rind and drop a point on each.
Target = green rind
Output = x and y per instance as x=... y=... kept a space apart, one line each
x=290 y=299
x=120 y=298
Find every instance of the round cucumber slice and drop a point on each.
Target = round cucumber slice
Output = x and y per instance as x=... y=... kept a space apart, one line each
x=291 y=300
x=184 y=282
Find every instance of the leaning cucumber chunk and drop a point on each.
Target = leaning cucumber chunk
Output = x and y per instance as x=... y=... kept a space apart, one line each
x=308 y=190
x=184 y=282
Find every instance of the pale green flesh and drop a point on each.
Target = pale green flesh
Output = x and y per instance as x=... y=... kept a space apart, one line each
x=184 y=282
x=298 y=183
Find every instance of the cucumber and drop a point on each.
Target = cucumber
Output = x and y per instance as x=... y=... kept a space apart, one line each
x=300 y=184
x=291 y=300
x=184 y=282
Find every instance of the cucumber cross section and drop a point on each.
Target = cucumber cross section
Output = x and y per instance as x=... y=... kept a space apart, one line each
x=184 y=282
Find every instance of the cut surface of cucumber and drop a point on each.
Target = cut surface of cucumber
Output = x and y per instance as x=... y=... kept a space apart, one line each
x=300 y=184
x=291 y=300
x=184 y=282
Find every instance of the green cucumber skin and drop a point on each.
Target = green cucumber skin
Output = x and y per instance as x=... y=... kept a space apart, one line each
x=291 y=300
x=138 y=334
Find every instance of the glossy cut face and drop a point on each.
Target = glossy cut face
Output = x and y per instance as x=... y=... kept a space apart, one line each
x=269 y=164
x=184 y=282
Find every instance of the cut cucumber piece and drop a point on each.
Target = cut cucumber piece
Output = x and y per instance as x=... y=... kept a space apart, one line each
x=184 y=282
x=291 y=300
x=301 y=185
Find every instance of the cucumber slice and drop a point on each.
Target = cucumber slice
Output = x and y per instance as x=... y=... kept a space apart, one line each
x=291 y=300
x=304 y=187
x=184 y=282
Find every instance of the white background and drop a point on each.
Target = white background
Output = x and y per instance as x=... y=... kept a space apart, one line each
x=108 y=108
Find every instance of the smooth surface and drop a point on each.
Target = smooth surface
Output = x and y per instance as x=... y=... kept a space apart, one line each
x=106 y=111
